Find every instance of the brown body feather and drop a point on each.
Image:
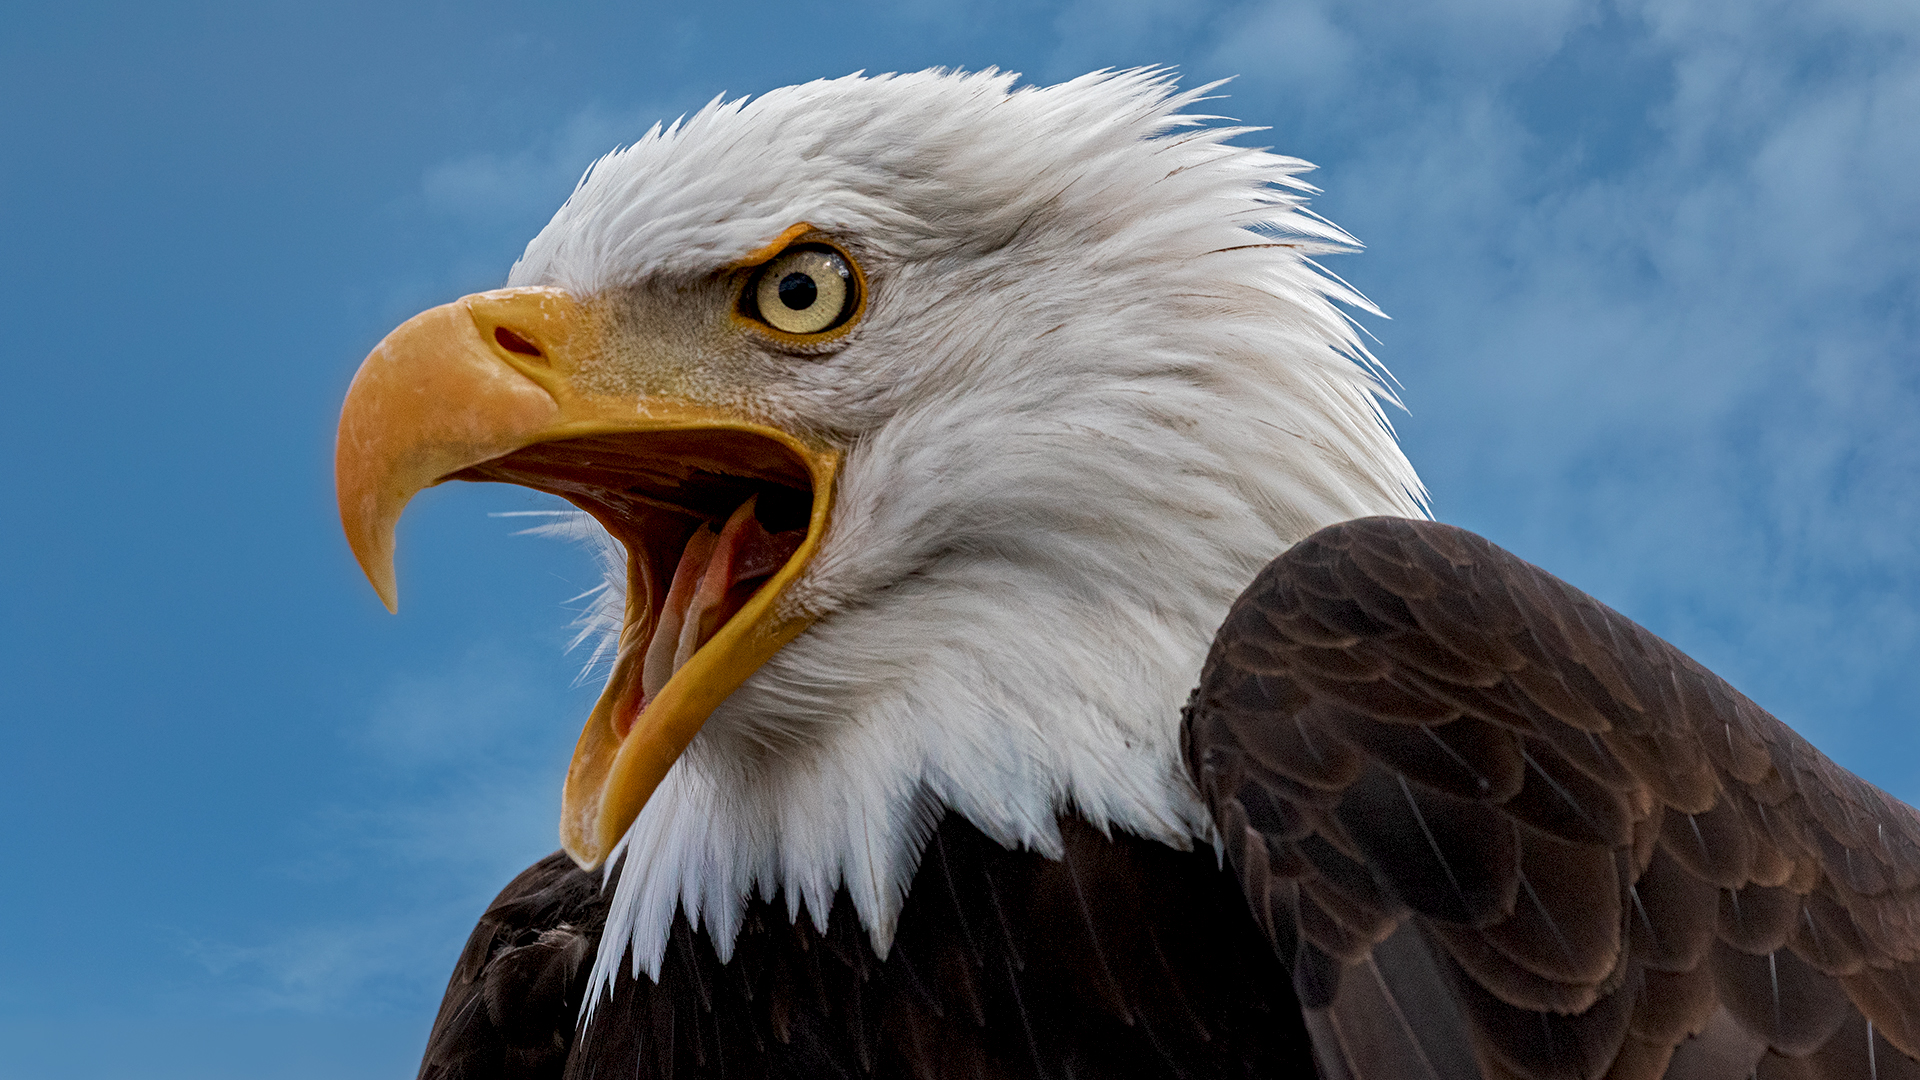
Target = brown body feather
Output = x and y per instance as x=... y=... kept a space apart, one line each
x=1484 y=815
x=1124 y=959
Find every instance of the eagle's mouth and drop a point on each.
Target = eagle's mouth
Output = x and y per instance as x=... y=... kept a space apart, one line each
x=720 y=512
x=707 y=517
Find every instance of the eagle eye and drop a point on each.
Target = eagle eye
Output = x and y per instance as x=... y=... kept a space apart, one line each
x=806 y=289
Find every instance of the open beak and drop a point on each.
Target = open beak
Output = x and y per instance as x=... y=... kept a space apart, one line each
x=719 y=514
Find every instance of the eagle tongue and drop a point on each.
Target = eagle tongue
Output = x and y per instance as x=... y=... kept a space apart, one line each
x=716 y=575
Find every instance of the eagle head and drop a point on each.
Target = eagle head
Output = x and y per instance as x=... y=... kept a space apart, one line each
x=939 y=421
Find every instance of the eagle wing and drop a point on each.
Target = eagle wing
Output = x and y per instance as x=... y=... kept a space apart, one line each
x=1498 y=829
x=514 y=997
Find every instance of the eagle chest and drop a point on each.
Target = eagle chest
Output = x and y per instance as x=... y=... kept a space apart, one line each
x=1124 y=958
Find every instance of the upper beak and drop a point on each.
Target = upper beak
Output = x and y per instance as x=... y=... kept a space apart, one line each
x=485 y=388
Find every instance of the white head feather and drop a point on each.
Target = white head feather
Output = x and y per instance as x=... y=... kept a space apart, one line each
x=1098 y=384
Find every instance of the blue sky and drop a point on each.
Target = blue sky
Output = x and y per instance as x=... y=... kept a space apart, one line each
x=1654 y=279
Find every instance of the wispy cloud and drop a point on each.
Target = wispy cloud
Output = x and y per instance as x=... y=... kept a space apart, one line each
x=463 y=772
x=533 y=178
x=473 y=213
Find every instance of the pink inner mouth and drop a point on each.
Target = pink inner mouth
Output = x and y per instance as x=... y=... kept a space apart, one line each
x=717 y=574
x=725 y=509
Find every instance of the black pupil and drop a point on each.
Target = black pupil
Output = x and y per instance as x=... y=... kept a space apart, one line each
x=798 y=291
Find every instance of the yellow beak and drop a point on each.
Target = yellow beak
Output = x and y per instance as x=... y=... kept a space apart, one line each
x=485 y=388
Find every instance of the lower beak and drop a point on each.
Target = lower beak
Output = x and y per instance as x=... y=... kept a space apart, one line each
x=484 y=389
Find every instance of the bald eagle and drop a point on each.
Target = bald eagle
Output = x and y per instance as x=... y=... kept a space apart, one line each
x=940 y=423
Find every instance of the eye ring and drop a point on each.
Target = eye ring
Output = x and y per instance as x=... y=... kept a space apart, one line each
x=805 y=294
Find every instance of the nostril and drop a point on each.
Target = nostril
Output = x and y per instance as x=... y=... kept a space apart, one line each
x=514 y=343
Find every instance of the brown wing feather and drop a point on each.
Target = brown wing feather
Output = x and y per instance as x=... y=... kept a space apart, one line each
x=1426 y=755
x=510 y=1006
